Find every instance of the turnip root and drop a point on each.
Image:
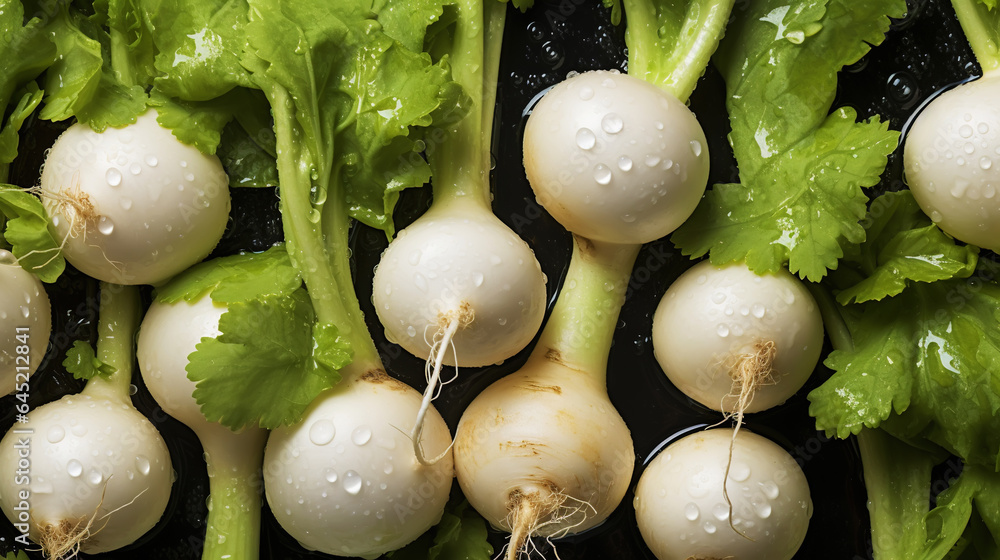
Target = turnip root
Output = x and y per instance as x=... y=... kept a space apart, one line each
x=543 y=452
x=345 y=481
x=458 y=287
x=133 y=205
x=952 y=161
x=734 y=341
x=682 y=512
x=99 y=474
x=26 y=319
x=169 y=334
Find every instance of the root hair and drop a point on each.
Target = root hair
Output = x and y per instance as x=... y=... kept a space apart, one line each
x=529 y=513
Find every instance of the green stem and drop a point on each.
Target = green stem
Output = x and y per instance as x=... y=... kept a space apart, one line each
x=833 y=321
x=119 y=314
x=461 y=162
x=982 y=28
x=898 y=479
x=233 y=524
x=326 y=273
x=671 y=42
x=584 y=318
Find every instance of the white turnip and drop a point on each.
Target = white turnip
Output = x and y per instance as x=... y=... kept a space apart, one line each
x=683 y=513
x=98 y=474
x=736 y=341
x=169 y=334
x=26 y=320
x=458 y=287
x=133 y=205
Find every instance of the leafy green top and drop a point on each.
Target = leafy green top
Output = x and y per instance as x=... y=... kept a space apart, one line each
x=980 y=20
x=81 y=360
x=802 y=167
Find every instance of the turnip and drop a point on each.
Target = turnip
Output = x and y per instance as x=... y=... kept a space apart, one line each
x=169 y=333
x=26 y=320
x=96 y=473
x=734 y=341
x=682 y=512
x=951 y=154
x=343 y=479
x=458 y=287
x=133 y=205
x=618 y=162
x=636 y=157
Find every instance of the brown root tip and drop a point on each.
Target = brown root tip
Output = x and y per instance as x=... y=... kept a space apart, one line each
x=62 y=540
x=533 y=510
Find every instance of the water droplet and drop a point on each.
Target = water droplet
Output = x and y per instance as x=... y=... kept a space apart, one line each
x=183 y=163
x=331 y=476
x=477 y=279
x=585 y=138
x=652 y=160
x=721 y=512
x=709 y=527
x=691 y=511
x=612 y=123
x=757 y=310
x=763 y=510
x=135 y=169
x=387 y=469
x=414 y=257
x=151 y=161
x=718 y=297
x=658 y=125
x=722 y=330
x=411 y=331
x=95 y=477
x=739 y=471
x=586 y=93
x=958 y=188
x=105 y=225
x=970 y=148
x=983 y=128
x=602 y=174
x=770 y=490
x=56 y=434
x=79 y=430
x=74 y=468
x=936 y=216
x=625 y=163
x=125 y=202
x=114 y=177
x=628 y=218
x=322 y=432
x=696 y=148
x=989 y=191
x=352 y=483
x=965 y=131
x=985 y=162
x=361 y=435
x=420 y=282
x=142 y=465
x=609 y=83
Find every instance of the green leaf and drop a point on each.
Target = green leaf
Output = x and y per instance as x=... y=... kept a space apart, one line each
x=29 y=100
x=82 y=362
x=246 y=163
x=198 y=124
x=902 y=246
x=27 y=230
x=409 y=25
x=802 y=167
x=199 y=44
x=75 y=77
x=269 y=363
x=25 y=49
x=925 y=367
x=131 y=43
x=235 y=279
x=460 y=535
x=19 y=555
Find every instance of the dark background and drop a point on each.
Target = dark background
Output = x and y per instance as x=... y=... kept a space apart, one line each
x=923 y=53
